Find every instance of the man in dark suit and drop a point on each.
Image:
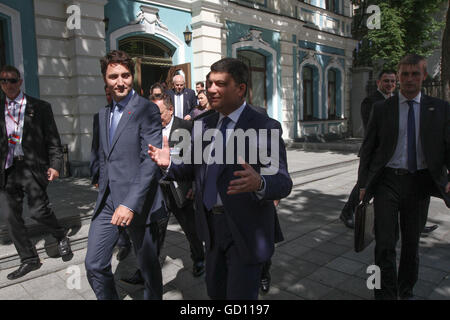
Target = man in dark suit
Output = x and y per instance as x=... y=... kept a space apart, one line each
x=404 y=160
x=184 y=208
x=129 y=194
x=30 y=158
x=386 y=84
x=124 y=242
x=235 y=211
x=183 y=99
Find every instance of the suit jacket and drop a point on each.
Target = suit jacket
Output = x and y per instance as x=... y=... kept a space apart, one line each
x=250 y=220
x=381 y=140
x=125 y=167
x=41 y=143
x=94 y=166
x=366 y=107
x=189 y=100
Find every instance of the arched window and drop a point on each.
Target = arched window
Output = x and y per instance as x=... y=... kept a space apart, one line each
x=308 y=97
x=256 y=91
x=331 y=94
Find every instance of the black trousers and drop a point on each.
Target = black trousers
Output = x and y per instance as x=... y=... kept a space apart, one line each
x=186 y=218
x=405 y=197
x=227 y=277
x=20 y=182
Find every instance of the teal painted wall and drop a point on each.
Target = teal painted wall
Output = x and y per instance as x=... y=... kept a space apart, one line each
x=121 y=12
x=237 y=31
x=26 y=9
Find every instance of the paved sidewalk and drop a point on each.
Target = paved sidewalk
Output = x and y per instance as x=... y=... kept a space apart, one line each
x=316 y=260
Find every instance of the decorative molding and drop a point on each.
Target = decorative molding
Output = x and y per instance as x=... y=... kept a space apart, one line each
x=149 y=23
x=16 y=36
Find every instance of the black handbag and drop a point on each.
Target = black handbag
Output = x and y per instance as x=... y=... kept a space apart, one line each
x=364 y=226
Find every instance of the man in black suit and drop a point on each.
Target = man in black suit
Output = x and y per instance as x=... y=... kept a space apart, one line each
x=404 y=160
x=30 y=158
x=385 y=87
x=234 y=201
x=183 y=99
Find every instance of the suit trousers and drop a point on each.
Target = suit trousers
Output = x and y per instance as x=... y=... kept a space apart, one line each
x=405 y=196
x=186 y=218
x=20 y=181
x=102 y=238
x=227 y=277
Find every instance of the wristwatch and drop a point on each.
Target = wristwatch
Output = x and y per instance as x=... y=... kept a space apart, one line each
x=261 y=185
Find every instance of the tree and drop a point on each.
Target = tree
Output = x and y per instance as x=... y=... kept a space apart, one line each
x=445 y=62
x=407 y=26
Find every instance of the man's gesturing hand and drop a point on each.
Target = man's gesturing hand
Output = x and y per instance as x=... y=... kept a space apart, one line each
x=160 y=156
x=52 y=174
x=249 y=180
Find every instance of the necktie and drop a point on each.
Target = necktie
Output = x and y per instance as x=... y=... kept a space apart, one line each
x=10 y=155
x=412 y=160
x=212 y=171
x=114 y=122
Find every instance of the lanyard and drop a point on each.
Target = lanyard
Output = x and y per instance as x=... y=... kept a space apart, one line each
x=20 y=110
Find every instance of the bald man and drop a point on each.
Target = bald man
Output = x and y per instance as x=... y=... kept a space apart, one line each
x=183 y=99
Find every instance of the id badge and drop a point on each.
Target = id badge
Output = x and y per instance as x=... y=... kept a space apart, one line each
x=13 y=139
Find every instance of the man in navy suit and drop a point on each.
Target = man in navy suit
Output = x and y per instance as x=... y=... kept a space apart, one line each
x=404 y=160
x=183 y=99
x=235 y=210
x=129 y=194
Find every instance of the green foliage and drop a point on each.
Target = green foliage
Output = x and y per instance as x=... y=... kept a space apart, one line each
x=407 y=26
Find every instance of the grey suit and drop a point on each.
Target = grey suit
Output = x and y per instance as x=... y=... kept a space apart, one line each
x=127 y=177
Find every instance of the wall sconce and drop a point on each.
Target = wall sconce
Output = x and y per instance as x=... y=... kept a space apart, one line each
x=187 y=36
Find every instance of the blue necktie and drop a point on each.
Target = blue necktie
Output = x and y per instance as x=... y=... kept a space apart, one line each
x=114 y=122
x=212 y=171
x=412 y=160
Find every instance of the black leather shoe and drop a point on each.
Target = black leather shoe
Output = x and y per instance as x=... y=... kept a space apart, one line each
x=23 y=270
x=265 y=284
x=135 y=279
x=198 y=269
x=429 y=229
x=123 y=253
x=64 y=249
x=348 y=221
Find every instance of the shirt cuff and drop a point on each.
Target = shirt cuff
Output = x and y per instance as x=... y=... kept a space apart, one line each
x=128 y=208
x=262 y=193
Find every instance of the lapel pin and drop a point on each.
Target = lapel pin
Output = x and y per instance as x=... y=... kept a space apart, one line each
x=431 y=109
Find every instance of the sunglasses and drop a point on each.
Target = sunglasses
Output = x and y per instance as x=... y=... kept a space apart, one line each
x=10 y=80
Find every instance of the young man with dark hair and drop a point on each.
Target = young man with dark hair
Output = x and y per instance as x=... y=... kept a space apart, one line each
x=129 y=194
x=404 y=160
x=235 y=213
x=30 y=157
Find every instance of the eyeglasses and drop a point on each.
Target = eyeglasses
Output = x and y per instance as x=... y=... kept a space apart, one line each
x=10 y=80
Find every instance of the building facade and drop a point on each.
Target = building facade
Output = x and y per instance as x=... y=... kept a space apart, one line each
x=299 y=54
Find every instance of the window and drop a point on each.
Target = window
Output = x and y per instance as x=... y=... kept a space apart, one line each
x=146 y=47
x=308 y=102
x=330 y=5
x=256 y=90
x=331 y=94
x=2 y=45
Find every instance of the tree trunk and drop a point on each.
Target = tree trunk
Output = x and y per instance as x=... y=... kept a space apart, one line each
x=445 y=62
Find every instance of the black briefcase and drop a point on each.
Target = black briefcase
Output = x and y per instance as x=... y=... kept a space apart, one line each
x=364 y=226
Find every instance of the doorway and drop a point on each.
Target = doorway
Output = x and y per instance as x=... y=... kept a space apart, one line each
x=153 y=61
